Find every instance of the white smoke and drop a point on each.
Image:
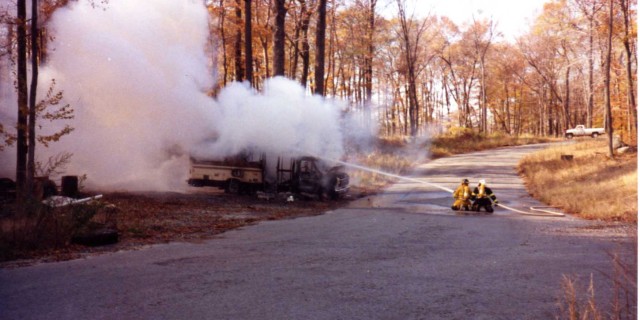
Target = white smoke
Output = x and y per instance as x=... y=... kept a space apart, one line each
x=281 y=120
x=137 y=74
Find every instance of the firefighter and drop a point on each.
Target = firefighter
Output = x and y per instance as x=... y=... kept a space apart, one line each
x=483 y=197
x=462 y=196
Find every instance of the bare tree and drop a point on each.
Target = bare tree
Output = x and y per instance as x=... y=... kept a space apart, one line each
x=248 y=41
x=368 y=63
x=590 y=9
x=481 y=46
x=305 y=52
x=223 y=40
x=279 y=38
x=410 y=35
x=238 y=42
x=320 y=47
x=31 y=166
x=607 y=82
x=624 y=4
x=23 y=111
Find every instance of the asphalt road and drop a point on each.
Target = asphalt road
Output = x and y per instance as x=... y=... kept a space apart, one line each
x=400 y=255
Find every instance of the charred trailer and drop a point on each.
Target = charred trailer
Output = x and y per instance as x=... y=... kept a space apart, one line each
x=306 y=176
x=310 y=177
x=234 y=175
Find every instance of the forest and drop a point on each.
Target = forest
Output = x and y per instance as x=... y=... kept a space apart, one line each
x=410 y=73
x=406 y=73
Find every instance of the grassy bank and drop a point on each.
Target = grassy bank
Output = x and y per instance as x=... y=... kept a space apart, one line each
x=464 y=141
x=393 y=155
x=397 y=155
x=590 y=186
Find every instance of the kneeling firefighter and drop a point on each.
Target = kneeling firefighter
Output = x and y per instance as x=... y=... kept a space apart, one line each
x=462 y=196
x=483 y=197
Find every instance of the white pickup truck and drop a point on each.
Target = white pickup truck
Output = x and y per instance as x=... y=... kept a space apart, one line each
x=580 y=130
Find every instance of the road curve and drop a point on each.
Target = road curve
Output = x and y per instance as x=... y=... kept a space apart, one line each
x=400 y=255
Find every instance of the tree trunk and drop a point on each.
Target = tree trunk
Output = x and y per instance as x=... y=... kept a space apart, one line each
x=248 y=42
x=607 y=82
x=550 y=114
x=223 y=38
x=368 y=64
x=31 y=164
x=483 y=100
x=305 y=53
x=23 y=110
x=331 y=68
x=590 y=101
x=629 y=55
x=279 y=38
x=411 y=61
x=238 y=42
x=567 y=113
x=264 y=38
x=507 y=110
x=320 y=47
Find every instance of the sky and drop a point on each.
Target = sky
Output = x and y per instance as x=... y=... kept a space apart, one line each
x=513 y=16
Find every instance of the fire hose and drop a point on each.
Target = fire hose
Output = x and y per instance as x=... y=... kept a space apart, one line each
x=534 y=210
x=539 y=211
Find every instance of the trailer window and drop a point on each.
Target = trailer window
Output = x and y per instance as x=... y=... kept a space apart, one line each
x=238 y=173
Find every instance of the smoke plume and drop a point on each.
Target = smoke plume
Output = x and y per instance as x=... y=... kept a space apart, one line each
x=136 y=74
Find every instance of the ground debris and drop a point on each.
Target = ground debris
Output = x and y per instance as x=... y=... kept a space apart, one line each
x=160 y=217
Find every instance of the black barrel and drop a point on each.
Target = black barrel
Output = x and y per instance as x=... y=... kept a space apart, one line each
x=70 y=186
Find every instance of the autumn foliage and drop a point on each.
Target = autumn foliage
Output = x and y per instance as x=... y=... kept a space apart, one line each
x=411 y=71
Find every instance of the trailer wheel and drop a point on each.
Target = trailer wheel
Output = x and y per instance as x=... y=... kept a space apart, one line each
x=233 y=186
x=331 y=188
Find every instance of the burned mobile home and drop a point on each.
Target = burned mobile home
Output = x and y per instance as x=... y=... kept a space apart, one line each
x=305 y=176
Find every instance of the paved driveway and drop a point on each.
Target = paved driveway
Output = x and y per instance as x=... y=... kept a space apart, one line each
x=401 y=255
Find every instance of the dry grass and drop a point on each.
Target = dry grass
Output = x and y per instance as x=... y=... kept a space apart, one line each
x=465 y=141
x=389 y=163
x=591 y=185
x=578 y=302
x=397 y=155
x=392 y=155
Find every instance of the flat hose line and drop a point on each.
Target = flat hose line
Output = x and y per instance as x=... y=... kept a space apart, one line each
x=534 y=210
x=538 y=211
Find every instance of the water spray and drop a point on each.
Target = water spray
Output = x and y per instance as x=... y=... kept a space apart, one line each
x=363 y=168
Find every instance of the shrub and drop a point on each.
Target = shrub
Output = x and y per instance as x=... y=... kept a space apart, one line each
x=38 y=227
